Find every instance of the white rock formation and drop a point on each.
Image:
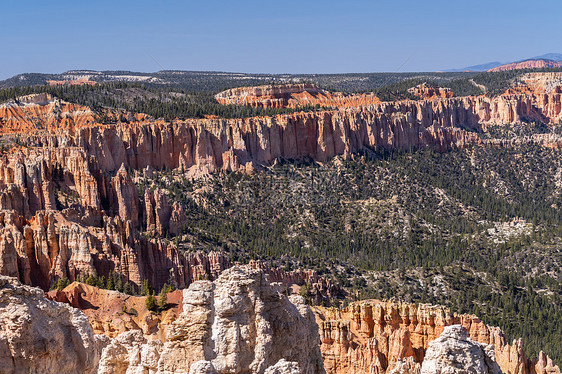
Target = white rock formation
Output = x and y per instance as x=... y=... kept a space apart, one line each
x=42 y=336
x=238 y=324
x=455 y=353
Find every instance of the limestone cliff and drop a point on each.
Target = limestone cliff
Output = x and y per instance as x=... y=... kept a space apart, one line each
x=380 y=337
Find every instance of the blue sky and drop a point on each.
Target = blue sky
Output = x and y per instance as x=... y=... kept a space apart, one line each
x=273 y=36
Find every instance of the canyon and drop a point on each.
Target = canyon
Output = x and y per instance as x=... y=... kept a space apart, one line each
x=69 y=204
x=72 y=204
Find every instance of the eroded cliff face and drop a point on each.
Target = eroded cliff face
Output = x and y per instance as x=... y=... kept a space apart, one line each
x=109 y=312
x=42 y=112
x=426 y=91
x=112 y=313
x=241 y=323
x=384 y=337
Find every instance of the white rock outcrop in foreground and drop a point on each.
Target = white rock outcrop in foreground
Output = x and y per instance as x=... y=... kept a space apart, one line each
x=455 y=353
x=238 y=324
x=39 y=336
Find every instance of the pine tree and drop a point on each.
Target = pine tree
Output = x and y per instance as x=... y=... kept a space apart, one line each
x=150 y=302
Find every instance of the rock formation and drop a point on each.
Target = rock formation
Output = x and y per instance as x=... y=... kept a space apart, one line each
x=238 y=324
x=382 y=337
x=111 y=313
x=42 y=336
x=427 y=92
x=455 y=353
x=292 y=96
x=42 y=112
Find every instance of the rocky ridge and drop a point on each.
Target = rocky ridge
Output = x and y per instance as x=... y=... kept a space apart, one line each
x=427 y=92
x=238 y=324
x=243 y=324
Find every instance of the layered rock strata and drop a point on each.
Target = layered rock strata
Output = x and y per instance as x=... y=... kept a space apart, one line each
x=529 y=64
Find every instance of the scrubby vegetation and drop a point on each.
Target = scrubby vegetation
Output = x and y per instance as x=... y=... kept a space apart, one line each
x=157 y=102
x=477 y=230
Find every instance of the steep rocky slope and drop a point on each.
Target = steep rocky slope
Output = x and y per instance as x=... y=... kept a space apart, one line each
x=238 y=324
x=111 y=313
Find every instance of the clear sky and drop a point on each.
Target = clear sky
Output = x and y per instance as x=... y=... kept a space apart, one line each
x=273 y=36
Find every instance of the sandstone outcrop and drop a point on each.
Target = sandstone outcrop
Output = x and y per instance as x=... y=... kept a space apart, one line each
x=378 y=337
x=238 y=324
x=455 y=353
x=292 y=96
x=42 y=112
x=42 y=336
x=242 y=324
